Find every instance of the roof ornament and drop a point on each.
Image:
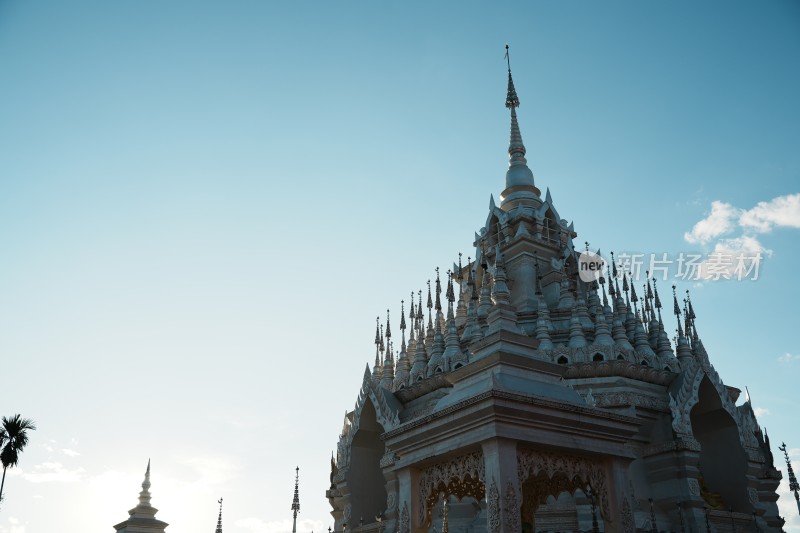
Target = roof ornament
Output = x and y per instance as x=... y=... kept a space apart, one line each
x=519 y=178
x=378 y=343
x=438 y=291
x=219 y=518
x=144 y=496
x=403 y=315
x=690 y=316
x=512 y=101
x=420 y=315
x=451 y=296
x=296 y=500
x=634 y=299
x=611 y=290
x=794 y=486
x=677 y=311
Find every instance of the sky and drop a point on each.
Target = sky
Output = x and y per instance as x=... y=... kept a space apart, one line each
x=205 y=205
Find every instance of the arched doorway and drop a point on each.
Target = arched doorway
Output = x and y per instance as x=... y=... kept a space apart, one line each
x=723 y=462
x=365 y=478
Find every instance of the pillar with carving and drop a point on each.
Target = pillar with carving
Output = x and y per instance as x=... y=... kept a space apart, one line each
x=503 y=495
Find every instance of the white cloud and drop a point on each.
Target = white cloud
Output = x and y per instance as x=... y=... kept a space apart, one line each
x=760 y=411
x=788 y=358
x=735 y=258
x=69 y=453
x=256 y=525
x=787 y=507
x=719 y=222
x=739 y=257
x=725 y=218
x=783 y=211
x=13 y=526
x=52 y=471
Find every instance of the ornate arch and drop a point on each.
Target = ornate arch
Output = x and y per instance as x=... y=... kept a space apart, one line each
x=564 y=472
x=386 y=412
x=460 y=476
x=687 y=396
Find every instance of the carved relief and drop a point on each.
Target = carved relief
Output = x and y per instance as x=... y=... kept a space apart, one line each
x=493 y=508
x=388 y=459
x=405 y=527
x=688 y=396
x=460 y=476
x=616 y=399
x=512 y=510
x=694 y=487
x=570 y=471
x=391 y=501
x=348 y=509
x=752 y=495
x=627 y=517
x=616 y=367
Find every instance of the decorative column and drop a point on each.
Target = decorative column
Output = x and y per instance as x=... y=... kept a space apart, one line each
x=407 y=501
x=503 y=495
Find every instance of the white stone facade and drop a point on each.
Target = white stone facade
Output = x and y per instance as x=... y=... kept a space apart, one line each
x=538 y=402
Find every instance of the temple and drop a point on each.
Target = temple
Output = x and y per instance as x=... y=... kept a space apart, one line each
x=533 y=399
x=142 y=518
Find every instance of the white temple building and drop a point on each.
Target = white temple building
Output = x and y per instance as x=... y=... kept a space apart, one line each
x=531 y=400
x=142 y=518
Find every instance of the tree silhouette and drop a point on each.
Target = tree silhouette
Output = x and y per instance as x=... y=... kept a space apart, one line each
x=13 y=439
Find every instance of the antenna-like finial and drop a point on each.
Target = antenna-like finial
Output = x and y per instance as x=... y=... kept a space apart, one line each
x=512 y=100
x=794 y=486
x=219 y=518
x=296 y=500
x=402 y=315
x=438 y=291
x=430 y=300
x=451 y=296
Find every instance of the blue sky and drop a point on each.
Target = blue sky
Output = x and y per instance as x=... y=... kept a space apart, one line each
x=204 y=205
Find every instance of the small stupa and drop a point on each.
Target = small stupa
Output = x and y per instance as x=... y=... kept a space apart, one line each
x=143 y=517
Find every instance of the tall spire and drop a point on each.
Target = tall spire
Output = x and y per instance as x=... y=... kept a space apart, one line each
x=296 y=500
x=794 y=486
x=144 y=514
x=519 y=178
x=219 y=518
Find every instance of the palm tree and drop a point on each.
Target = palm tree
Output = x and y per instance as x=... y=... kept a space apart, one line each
x=13 y=439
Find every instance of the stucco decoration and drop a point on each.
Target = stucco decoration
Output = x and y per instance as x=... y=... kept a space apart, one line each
x=687 y=389
x=694 y=487
x=460 y=476
x=628 y=525
x=575 y=471
x=405 y=527
x=512 y=510
x=626 y=398
x=493 y=508
x=685 y=399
